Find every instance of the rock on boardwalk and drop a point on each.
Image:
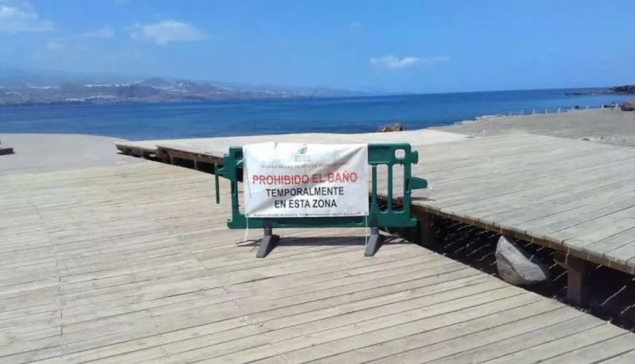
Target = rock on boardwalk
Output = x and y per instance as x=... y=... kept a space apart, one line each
x=516 y=267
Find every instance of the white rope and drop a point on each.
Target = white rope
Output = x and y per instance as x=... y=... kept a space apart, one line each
x=246 y=230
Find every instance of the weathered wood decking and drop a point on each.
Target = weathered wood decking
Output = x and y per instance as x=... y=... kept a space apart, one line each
x=207 y=149
x=573 y=196
x=134 y=264
x=569 y=195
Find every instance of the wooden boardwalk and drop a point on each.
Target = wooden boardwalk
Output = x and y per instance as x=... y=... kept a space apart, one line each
x=207 y=149
x=134 y=264
x=574 y=196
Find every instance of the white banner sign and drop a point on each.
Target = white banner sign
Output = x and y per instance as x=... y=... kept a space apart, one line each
x=305 y=180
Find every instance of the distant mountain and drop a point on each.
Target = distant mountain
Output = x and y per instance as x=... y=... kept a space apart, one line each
x=316 y=90
x=29 y=87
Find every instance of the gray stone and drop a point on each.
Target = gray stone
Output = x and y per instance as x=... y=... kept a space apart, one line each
x=516 y=266
x=628 y=105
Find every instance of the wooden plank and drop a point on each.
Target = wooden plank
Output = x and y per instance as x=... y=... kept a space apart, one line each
x=430 y=343
x=598 y=352
x=549 y=207
x=604 y=246
x=546 y=175
x=563 y=345
x=625 y=358
x=135 y=264
x=496 y=349
x=322 y=343
x=539 y=185
x=622 y=255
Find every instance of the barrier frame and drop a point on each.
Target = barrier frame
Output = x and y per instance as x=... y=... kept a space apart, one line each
x=388 y=154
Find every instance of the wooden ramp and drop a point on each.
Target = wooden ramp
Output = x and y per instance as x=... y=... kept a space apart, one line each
x=134 y=264
x=208 y=148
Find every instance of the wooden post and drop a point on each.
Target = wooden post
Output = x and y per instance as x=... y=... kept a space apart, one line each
x=426 y=230
x=577 y=274
x=164 y=157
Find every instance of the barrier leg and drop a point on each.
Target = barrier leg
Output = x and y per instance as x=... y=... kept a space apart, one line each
x=374 y=242
x=268 y=242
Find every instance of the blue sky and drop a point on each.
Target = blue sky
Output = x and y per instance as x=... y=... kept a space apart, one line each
x=401 y=45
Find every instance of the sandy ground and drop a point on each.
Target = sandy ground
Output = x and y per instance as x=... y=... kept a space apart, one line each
x=53 y=152
x=611 y=126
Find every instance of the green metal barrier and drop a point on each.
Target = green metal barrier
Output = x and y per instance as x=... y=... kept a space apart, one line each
x=382 y=212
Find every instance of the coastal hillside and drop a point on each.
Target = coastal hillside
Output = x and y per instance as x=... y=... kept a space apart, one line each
x=19 y=87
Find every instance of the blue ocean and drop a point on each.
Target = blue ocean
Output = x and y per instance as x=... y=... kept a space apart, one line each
x=229 y=118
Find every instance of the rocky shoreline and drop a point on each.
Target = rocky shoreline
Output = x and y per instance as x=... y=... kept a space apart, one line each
x=615 y=90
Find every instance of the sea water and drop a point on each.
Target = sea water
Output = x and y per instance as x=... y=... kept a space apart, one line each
x=144 y=121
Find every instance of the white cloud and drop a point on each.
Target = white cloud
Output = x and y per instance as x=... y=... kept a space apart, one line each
x=164 y=32
x=21 y=17
x=105 y=32
x=391 y=62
